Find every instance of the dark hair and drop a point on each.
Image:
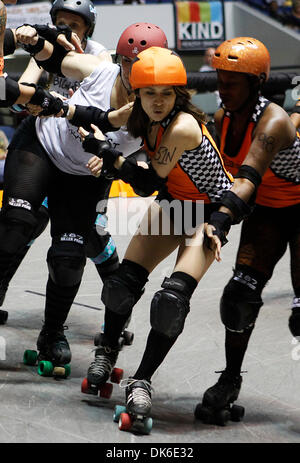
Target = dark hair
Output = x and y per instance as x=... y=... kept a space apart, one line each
x=138 y=121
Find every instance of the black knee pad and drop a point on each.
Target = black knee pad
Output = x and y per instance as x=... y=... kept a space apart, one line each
x=169 y=308
x=123 y=289
x=42 y=217
x=16 y=227
x=66 y=260
x=240 y=302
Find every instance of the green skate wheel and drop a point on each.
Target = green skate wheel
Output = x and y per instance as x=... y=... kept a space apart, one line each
x=30 y=357
x=117 y=413
x=67 y=370
x=45 y=368
x=148 y=423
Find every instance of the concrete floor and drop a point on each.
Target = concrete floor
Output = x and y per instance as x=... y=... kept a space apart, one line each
x=34 y=409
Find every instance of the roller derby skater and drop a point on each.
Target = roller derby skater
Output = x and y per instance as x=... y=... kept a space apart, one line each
x=257 y=140
x=166 y=119
x=54 y=354
x=216 y=406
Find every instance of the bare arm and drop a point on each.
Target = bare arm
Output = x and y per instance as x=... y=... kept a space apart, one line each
x=32 y=73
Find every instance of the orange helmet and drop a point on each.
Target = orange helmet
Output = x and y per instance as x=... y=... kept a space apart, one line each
x=243 y=54
x=157 y=66
x=138 y=37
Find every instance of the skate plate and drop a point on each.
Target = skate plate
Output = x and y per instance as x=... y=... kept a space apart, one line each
x=209 y=415
x=130 y=422
x=104 y=390
x=46 y=367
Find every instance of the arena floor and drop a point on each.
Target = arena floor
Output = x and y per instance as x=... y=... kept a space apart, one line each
x=35 y=409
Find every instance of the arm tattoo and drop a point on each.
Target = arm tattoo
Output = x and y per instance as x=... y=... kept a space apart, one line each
x=267 y=142
x=163 y=156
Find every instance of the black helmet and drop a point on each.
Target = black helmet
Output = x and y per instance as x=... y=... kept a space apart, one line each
x=84 y=8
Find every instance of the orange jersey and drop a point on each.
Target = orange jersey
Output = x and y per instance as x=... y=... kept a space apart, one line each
x=280 y=185
x=199 y=173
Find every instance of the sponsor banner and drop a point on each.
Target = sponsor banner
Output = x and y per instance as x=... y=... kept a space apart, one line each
x=199 y=25
x=28 y=13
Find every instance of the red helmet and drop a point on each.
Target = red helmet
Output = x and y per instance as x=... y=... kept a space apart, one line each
x=140 y=36
x=157 y=66
x=243 y=54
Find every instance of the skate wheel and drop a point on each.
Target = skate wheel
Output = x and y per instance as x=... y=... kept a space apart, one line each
x=85 y=386
x=30 y=357
x=116 y=375
x=117 y=413
x=237 y=412
x=59 y=371
x=203 y=414
x=3 y=317
x=45 y=368
x=67 y=370
x=125 y=422
x=128 y=338
x=222 y=416
x=105 y=391
x=148 y=423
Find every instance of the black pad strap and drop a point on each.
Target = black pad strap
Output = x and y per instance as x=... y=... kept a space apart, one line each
x=84 y=116
x=238 y=207
x=249 y=173
x=12 y=93
x=9 y=45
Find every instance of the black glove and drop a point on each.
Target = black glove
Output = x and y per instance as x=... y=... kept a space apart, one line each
x=222 y=223
x=50 y=32
x=104 y=150
x=51 y=105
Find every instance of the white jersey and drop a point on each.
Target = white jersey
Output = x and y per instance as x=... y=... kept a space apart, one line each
x=62 y=85
x=61 y=139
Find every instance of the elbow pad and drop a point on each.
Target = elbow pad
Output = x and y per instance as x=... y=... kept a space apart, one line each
x=9 y=45
x=12 y=93
x=86 y=115
x=238 y=207
x=53 y=64
x=143 y=181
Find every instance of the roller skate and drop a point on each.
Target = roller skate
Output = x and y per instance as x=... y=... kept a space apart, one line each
x=54 y=356
x=102 y=369
x=216 y=406
x=135 y=416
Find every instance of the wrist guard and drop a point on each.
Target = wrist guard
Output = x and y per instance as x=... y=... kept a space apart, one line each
x=50 y=104
x=84 y=116
x=34 y=49
x=143 y=181
x=50 y=32
x=238 y=207
x=222 y=223
x=104 y=150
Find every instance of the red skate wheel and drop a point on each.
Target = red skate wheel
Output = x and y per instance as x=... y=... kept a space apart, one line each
x=85 y=386
x=105 y=391
x=116 y=375
x=125 y=422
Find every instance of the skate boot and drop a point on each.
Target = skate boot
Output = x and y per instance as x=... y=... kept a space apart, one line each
x=101 y=370
x=135 y=415
x=54 y=353
x=216 y=406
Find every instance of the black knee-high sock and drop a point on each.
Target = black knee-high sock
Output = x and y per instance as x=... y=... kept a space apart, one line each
x=58 y=303
x=113 y=326
x=156 y=350
x=235 y=349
